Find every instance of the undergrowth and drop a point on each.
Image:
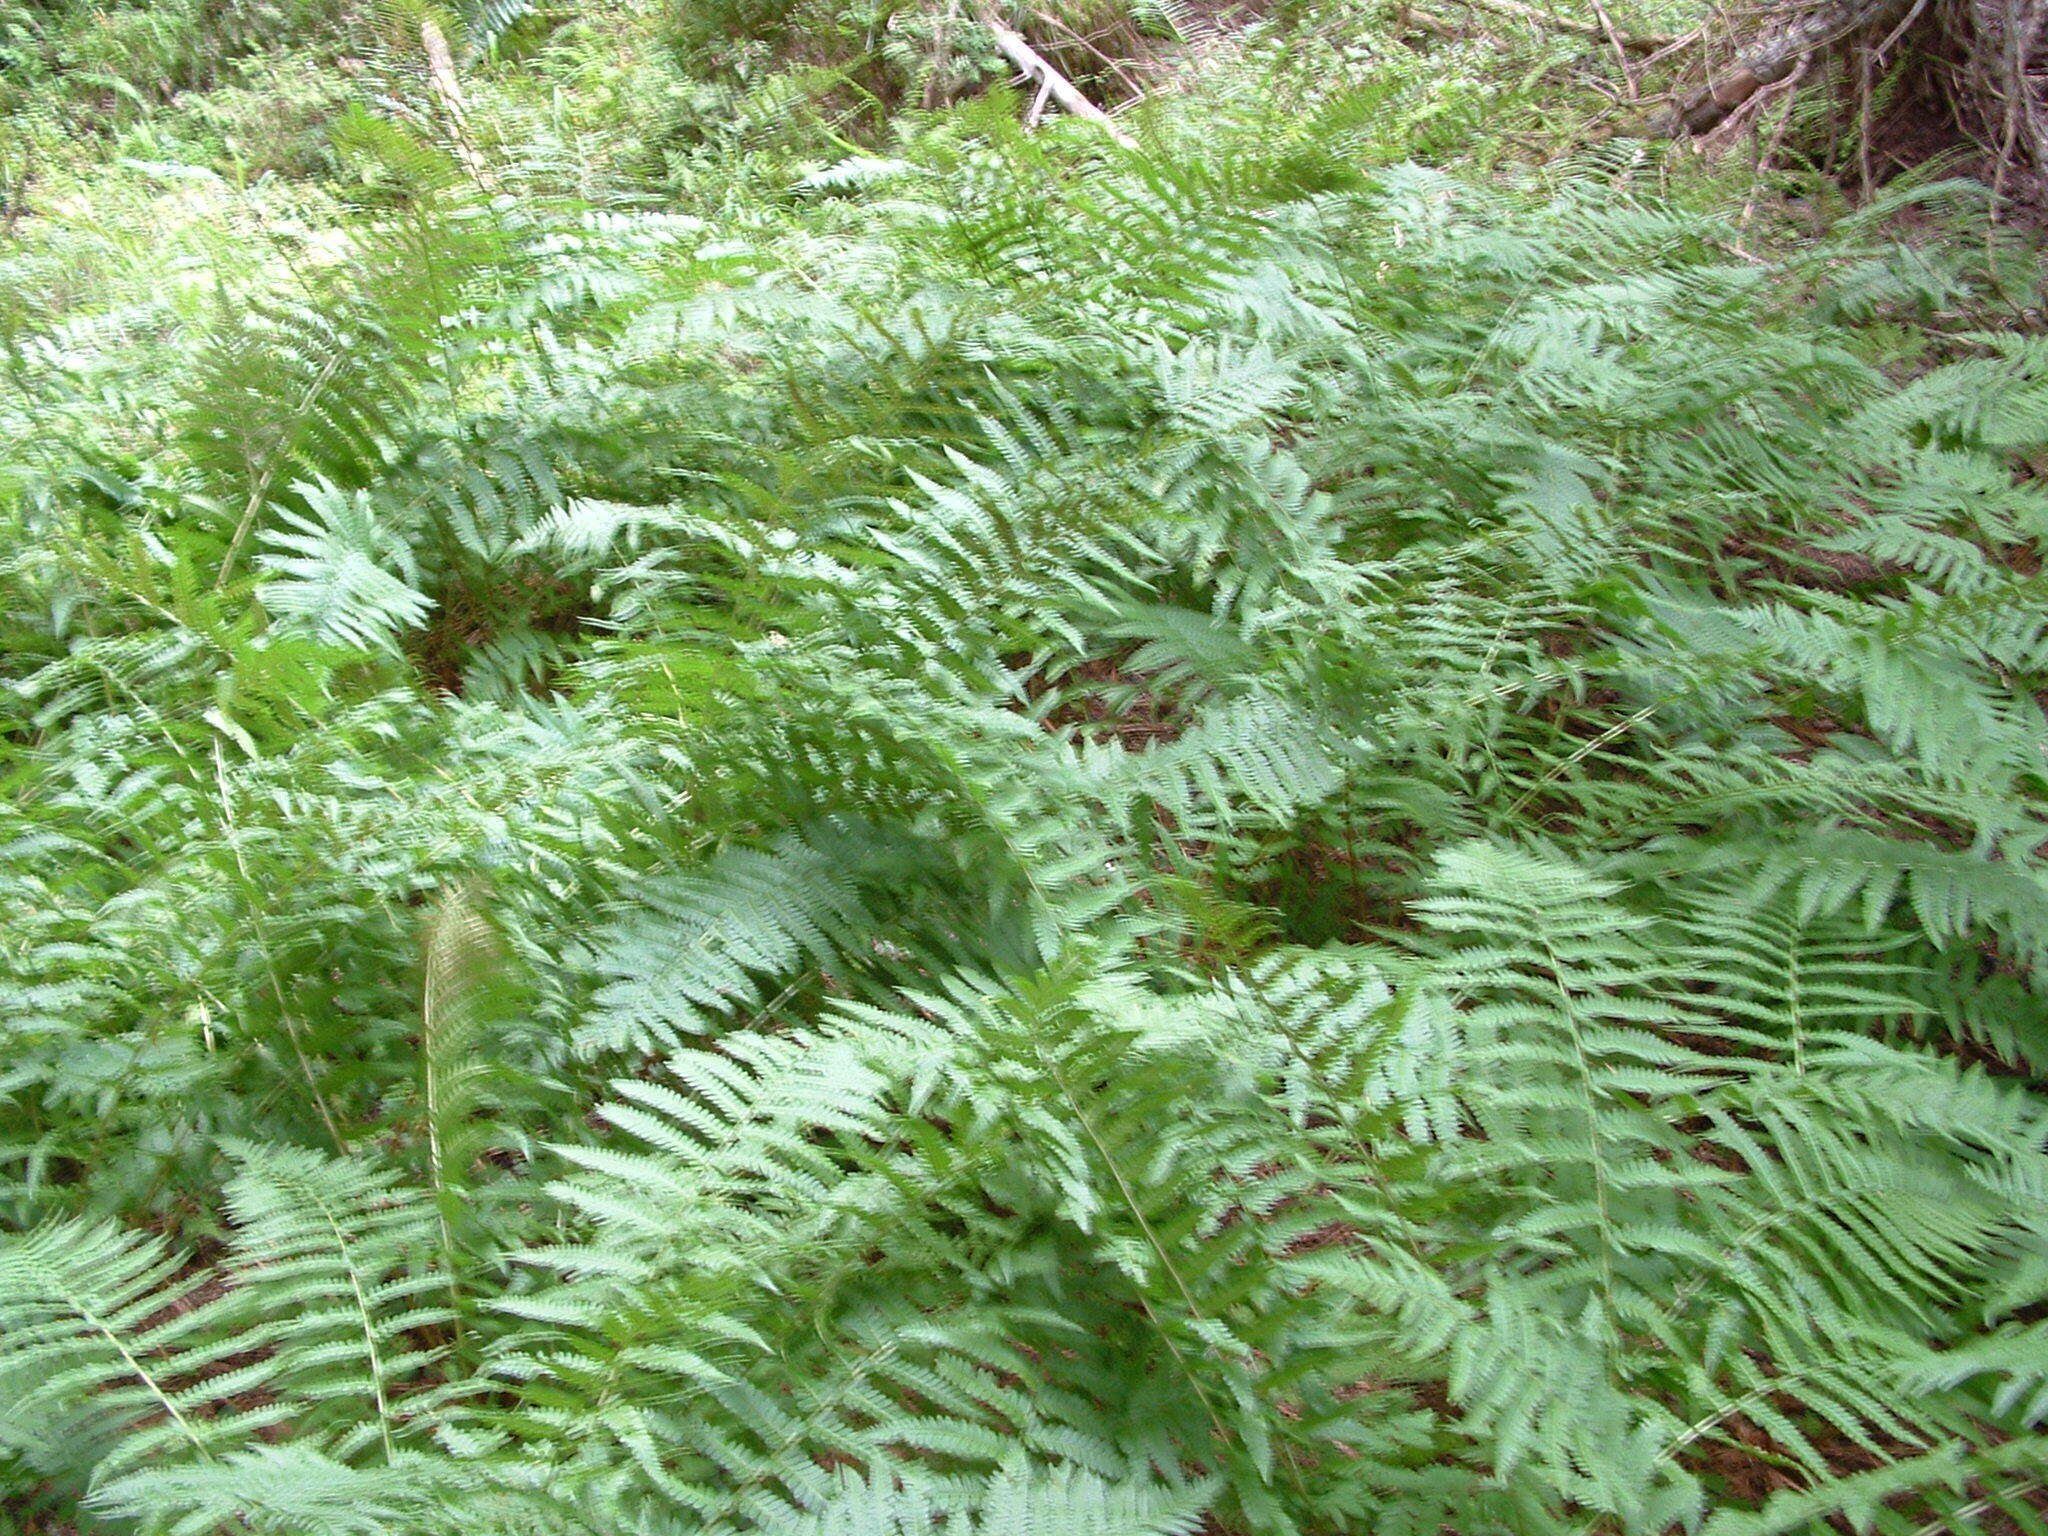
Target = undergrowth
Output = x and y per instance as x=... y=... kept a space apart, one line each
x=1000 y=834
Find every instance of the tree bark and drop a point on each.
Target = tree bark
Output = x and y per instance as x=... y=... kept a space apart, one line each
x=1771 y=60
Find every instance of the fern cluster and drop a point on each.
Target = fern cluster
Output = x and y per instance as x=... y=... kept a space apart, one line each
x=1101 y=842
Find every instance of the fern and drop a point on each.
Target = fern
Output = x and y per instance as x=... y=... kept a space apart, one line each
x=1001 y=838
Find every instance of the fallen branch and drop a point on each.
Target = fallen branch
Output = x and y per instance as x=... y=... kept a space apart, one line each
x=1619 y=44
x=448 y=89
x=1062 y=90
x=1770 y=61
x=1037 y=111
x=1634 y=42
x=1429 y=21
x=1121 y=73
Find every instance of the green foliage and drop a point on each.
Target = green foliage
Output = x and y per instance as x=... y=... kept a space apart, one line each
x=121 y=57
x=1046 y=839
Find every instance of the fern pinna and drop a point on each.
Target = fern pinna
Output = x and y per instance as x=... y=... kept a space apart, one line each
x=1112 y=843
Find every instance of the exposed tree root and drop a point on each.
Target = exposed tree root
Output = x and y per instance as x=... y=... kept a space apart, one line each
x=1904 y=72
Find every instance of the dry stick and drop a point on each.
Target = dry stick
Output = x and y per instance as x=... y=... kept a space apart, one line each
x=942 y=57
x=1865 y=101
x=1683 y=40
x=1899 y=31
x=441 y=70
x=1121 y=73
x=2017 y=89
x=1641 y=42
x=2022 y=67
x=1415 y=16
x=1769 y=152
x=1628 y=78
x=1027 y=59
x=1769 y=62
x=1038 y=105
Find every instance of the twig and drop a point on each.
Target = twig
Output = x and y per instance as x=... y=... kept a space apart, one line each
x=1899 y=31
x=942 y=57
x=1628 y=78
x=1640 y=42
x=1769 y=62
x=2016 y=90
x=448 y=88
x=1683 y=40
x=1038 y=105
x=1865 y=97
x=1769 y=152
x=1121 y=73
x=1063 y=90
x=1428 y=21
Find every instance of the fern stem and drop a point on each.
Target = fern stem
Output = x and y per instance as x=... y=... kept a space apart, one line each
x=163 y=1398
x=261 y=489
x=1131 y=1203
x=284 y=1007
x=375 y=1355
x=1596 y=1142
